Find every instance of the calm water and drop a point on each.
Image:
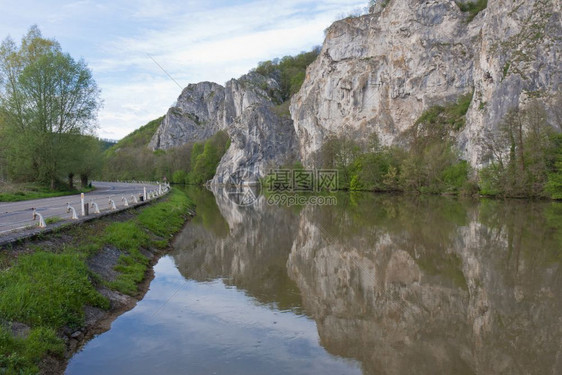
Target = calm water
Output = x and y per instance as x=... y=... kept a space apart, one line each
x=374 y=285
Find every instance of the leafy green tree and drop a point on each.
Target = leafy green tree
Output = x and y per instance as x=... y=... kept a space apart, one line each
x=554 y=179
x=341 y=153
x=87 y=158
x=206 y=157
x=523 y=151
x=45 y=96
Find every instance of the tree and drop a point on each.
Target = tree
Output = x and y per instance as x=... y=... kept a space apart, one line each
x=45 y=96
x=206 y=157
x=523 y=150
x=87 y=160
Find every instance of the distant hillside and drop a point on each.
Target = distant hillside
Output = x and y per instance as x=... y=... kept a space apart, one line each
x=138 y=138
x=106 y=144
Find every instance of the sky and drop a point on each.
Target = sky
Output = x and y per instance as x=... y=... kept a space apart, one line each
x=124 y=41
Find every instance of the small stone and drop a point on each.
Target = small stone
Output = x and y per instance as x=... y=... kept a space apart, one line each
x=78 y=335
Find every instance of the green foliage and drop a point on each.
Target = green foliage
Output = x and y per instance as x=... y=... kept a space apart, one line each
x=179 y=177
x=126 y=236
x=554 y=178
x=47 y=289
x=87 y=160
x=46 y=98
x=21 y=355
x=431 y=165
x=340 y=153
x=206 y=157
x=523 y=153
x=450 y=116
x=131 y=159
x=455 y=177
x=53 y=220
x=423 y=171
x=290 y=71
x=138 y=138
x=372 y=169
x=473 y=8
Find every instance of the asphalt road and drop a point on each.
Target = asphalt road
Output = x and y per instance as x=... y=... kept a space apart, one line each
x=18 y=215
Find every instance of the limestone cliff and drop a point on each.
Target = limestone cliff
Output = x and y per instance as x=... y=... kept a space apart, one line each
x=379 y=72
x=243 y=108
x=198 y=114
x=259 y=140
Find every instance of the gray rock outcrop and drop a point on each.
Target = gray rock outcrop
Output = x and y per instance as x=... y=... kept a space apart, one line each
x=379 y=72
x=260 y=140
x=243 y=108
x=197 y=115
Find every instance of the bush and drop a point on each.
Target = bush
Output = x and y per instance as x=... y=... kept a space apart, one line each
x=554 y=177
x=524 y=155
x=179 y=177
x=473 y=8
x=206 y=157
x=455 y=177
x=290 y=71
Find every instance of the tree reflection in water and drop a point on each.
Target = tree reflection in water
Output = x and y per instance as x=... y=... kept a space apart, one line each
x=402 y=284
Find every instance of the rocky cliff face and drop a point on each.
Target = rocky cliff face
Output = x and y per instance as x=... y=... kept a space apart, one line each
x=376 y=74
x=379 y=72
x=243 y=108
x=197 y=115
x=259 y=140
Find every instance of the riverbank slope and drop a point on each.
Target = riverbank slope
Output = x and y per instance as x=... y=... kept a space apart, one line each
x=57 y=291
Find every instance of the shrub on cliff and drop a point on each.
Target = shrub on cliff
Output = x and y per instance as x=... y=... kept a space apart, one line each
x=288 y=71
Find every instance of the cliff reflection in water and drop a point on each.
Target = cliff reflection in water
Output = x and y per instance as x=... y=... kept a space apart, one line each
x=403 y=285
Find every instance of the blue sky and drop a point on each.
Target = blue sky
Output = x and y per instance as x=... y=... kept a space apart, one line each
x=194 y=41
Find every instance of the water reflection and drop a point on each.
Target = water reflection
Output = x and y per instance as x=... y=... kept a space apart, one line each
x=377 y=284
x=251 y=256
x=432 y=284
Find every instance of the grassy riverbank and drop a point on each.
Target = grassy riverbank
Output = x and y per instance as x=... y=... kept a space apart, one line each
x=45 y=287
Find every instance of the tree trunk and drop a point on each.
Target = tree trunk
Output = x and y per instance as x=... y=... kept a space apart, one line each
x=71 y=181
x=84 y=180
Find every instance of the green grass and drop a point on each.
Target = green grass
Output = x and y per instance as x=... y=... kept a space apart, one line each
x=132 y=265
x=167 y=217
x=37 y=192
x=162 y=220
x=48 y=290
x=21 y=355
x=53 y=220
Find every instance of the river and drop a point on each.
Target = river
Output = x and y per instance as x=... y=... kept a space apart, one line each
x=376 y=284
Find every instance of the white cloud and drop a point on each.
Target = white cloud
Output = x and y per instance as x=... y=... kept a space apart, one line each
x=193 y=41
